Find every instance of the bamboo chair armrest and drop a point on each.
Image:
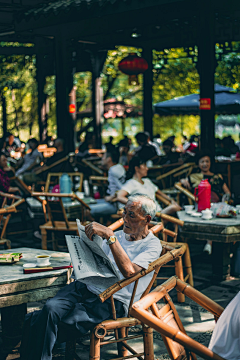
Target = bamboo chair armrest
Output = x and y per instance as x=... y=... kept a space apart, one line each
x=46 y=168
x=98 y=178
x=17 y=203
x=10 y=196
x=8 y=210
x=162 y=260
x=93 y=167
x=170 y=218
x=73 y=196
x=184 y=191
x=163 y=200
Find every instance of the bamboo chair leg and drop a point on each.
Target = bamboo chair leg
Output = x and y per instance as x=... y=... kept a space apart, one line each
x=54 y=242
x=70 y=350
x=179 y=273
x=188 y=266
x=122 y=351
x=148 y=343
x=44 y=239
x=94 y=348
x=176 y=231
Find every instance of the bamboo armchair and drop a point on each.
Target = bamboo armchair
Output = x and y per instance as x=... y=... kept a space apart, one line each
x=167 y=321
x=6 y=213
x=57 y=217
x=121 y=325
x=190 y=196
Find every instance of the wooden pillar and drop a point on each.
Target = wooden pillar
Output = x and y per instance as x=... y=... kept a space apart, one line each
x=4 y=116
x=147 y=93
x=97 y=59
x=64 y=85
x=41 y=80
x=206 y=68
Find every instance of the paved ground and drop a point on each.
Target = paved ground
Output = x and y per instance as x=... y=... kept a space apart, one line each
x=198 y=322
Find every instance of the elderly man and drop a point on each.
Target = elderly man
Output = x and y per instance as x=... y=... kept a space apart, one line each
x=78 y=305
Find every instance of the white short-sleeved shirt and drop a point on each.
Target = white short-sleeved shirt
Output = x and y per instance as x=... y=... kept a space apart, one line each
x=225 y=340
x=148 y=188
x=140 y=252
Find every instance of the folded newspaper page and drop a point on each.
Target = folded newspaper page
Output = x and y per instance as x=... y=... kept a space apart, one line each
x=91 y=265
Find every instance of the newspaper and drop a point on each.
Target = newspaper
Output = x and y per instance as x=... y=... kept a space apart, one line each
x=90 y=264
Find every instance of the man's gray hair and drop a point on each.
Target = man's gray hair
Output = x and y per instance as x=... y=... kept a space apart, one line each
x=148 y=204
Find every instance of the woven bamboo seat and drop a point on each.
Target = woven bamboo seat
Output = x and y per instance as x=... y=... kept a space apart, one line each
x=167 y=321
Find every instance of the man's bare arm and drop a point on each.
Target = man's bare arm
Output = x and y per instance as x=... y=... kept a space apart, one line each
x=125 y=265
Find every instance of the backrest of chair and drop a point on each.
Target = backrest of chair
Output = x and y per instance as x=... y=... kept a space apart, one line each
x=167 y=322
x=9 y=204
x=55 y=208
x=56 y=178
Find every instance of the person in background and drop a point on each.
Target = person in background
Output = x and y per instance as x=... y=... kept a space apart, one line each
x=30 y=178
x=88 y=143
x=145 y=150
x=30 y=160
x=219 y=189
x=109 y=145
x=137 y=182
x=12 y=143
x=170 y=157
x=123 y=148
x=4 y=179
x=116 y=178
x=152 y=143
x=158 y=142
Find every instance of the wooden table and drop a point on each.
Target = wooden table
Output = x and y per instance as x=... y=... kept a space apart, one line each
x=17 y=288
x=222 y=232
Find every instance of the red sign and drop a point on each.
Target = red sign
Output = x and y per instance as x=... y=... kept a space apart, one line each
x=205 y=104
x=72 y=108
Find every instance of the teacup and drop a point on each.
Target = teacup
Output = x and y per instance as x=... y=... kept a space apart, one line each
x=188 y=207
x=43 y=260
x=207 y=214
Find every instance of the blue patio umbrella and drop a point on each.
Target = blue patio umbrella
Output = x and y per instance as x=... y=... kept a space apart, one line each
x=226 y=102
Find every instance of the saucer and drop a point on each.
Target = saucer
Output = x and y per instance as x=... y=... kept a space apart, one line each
x=196 y=214
x=45 y=265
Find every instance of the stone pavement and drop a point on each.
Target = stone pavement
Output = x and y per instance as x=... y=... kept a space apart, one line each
x=198 y=323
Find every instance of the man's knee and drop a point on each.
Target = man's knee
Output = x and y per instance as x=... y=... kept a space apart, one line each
x=51 y=307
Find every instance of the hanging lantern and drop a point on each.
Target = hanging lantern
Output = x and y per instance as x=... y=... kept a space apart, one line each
x=133 y=65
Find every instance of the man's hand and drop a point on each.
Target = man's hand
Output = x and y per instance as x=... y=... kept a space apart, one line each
x=185 y=183
x=98 y=229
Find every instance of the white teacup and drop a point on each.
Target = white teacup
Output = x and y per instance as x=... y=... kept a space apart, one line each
x=188 y=207
x=207 y=214
x=43 y=260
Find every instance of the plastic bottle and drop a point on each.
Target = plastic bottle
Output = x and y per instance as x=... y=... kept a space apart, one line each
x=96 y=193
x=65 y=186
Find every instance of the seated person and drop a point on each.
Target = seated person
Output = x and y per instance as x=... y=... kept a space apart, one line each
x=139 y=183
x=88 y=143
x=12 y=143
x=116 y=178
x=225 y=340
x=170 y=157
x=32 y=177
x=123 y=147
x=4 y=179
x=219 y=189
x=130 y=250
x=145 y=150
x=30 y=160
x=158 y=151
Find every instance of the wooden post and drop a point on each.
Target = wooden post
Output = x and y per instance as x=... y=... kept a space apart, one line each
x=97 y=60
x=206 y=69
x=4 y=116
x=148 y=343
x=147 y=93
x=64 y=85
x=41 y=80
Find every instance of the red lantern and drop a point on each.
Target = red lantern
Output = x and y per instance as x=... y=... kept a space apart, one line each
x=133 y=65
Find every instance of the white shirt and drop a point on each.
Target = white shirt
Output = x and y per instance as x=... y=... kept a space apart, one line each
x=140 y=252
x=116 y=178
x=225 y=340
x=148 y=188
